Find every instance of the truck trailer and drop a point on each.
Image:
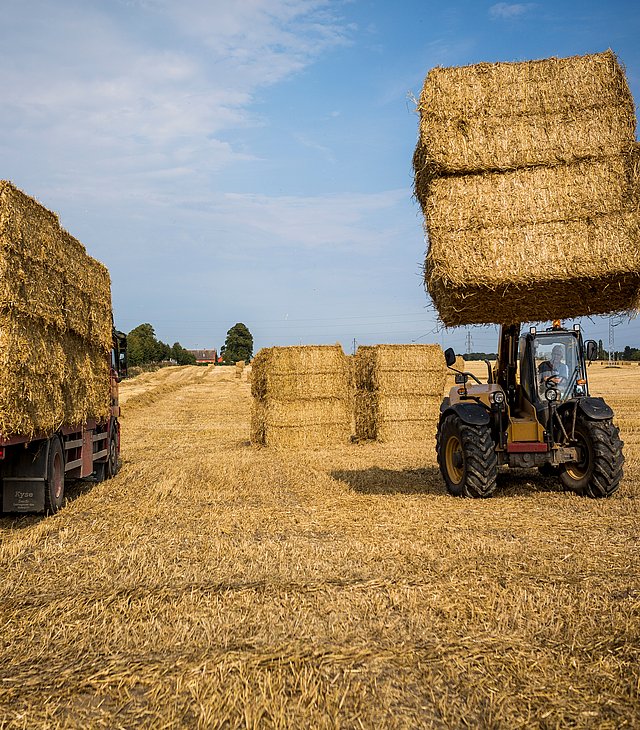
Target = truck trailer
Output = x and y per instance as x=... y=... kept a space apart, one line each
x=60 y=359
x=34 y=469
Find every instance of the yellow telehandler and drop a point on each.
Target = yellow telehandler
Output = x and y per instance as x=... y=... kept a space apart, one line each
x=534 y=411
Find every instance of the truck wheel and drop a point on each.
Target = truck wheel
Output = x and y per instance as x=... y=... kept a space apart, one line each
x=54 y=482
x=599 y=470
x=112 y=466
x=467 y=458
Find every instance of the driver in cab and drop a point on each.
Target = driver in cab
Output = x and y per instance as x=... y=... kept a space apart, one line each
x=554 y=368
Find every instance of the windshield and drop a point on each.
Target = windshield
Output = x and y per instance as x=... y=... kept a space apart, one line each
x=557 y=362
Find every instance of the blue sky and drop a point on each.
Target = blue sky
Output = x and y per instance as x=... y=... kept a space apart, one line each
x=251 y=161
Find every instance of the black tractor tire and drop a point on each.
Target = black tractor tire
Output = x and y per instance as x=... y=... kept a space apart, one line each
x=112 y=465
x=599 y=471
x=54 y=481
x=109 y=468
x=467 y=458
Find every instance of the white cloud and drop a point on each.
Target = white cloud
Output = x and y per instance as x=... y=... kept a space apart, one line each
x=92 y=100
x=349 y=220
x=510 y=10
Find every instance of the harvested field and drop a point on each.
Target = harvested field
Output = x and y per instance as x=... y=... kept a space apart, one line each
x=214 y=584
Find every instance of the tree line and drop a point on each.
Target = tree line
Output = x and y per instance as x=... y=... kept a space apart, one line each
x=144 y=348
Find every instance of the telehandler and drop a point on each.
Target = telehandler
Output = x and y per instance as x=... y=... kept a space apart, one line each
x=534 y=411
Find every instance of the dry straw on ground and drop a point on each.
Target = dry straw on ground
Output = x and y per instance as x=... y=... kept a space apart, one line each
x=55 y=322
x=302 y=396
x=398 y=391
x=552 y=233
x=214 y=585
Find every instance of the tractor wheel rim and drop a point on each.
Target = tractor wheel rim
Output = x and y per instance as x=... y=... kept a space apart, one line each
x=453 y=449
x=578 y=469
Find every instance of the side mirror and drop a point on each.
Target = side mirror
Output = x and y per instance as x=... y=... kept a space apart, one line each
x=591 y=350
x=450 y=356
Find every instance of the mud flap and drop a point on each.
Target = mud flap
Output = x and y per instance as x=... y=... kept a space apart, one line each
x=23 y=478
x=22 y=494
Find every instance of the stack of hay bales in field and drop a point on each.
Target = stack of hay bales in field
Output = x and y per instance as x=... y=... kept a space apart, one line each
x=398 y=391
x=528 y=178
x=302 y=396
x=55 y=322
x=239 y=369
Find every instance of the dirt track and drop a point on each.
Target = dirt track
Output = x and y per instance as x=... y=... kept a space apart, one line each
x=213 y=584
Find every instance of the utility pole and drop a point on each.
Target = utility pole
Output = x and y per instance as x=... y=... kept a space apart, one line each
x=469 y=342
x=354 y=346
x=612 y=324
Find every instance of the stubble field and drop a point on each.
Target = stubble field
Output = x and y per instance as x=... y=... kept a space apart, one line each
x=215 y=584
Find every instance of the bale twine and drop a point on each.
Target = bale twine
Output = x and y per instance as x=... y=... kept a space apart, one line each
x=55 y=322
x=302 y=397
x=398 y=391
x=541 y=225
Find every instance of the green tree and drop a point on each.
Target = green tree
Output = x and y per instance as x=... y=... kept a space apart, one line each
x=238 y=345
x=142 y=345
x=182 y=356
x=601 y=353
x=145 y=348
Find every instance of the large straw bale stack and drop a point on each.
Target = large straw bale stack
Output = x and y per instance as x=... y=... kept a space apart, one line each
x=535 y=224
x=302 y=396
x=398 y=391
x=55 y=322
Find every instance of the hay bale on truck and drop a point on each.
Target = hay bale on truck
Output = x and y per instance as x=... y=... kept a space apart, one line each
x=528 y=178
x=302 y=396
x=398 y=391
x=56 y=337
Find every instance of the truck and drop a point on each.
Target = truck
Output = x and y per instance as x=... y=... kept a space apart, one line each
x=34 y=469
x=534 y=411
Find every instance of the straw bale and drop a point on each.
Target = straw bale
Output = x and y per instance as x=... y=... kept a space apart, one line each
x=400 y=369
x=586 y=189
x=398 y=391
x=535 y=272
x=55 y=322
x=507 y=115
x=301 y=396
x=292 y=373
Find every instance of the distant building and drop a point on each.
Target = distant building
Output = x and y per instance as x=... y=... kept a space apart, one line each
x=205 y=357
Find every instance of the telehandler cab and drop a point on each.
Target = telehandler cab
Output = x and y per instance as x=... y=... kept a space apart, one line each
x=534 y=411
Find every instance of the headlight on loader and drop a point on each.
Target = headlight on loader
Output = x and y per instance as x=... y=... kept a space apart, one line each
x=551 y=394
x=497 y=397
